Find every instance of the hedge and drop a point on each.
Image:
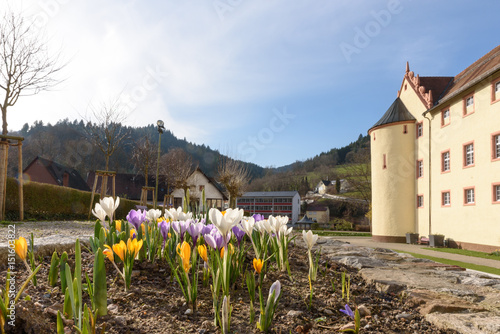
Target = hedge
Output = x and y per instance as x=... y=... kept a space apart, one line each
x=49 y=202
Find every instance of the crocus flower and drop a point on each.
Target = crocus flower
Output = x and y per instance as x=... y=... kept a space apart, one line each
x=118 y=225
x=238 y=233
x=247 y=225
x=207 y=229
x=120 y=249
x=231 y=250
x=164 y=227
x=309 y=238
x=202 y=250
x=136 y=218
x=133 y=246
x=99 y=212
x=153 y=214
x=109 y=205
x=180 y=228
x=224 y=223
x=21 y=247
x=258 y=217
x=210 y=240
x=348 y=311
x=173 y=214
x=184 y=251
x=194 y=231
x=133 y=233
x=257 y=265
x=109 y=253
x=276 y=287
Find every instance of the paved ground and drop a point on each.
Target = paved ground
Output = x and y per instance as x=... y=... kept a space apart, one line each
x=368 y=242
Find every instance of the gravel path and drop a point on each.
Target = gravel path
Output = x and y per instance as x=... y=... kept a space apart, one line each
x=45 y=229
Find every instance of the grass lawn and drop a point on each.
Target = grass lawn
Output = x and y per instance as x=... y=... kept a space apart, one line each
x=471 y=266
x=342 y=234
x=466 y=252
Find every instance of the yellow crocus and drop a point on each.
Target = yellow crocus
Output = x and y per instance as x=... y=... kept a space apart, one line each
x=202 y=250
x=133 y=233
x=257 y=265
x=231 y=250
x=118 y=225
x=184 y=252
x=21 y=247
x=109 y=253
x=134 y=246
x=120 y=249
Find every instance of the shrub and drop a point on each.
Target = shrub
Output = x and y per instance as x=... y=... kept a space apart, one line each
x=343 y=225
x=49 y=202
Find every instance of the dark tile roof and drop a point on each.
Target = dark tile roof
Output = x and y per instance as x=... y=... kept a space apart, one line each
x=397 y=112
x=270 y=194
x=57 y=171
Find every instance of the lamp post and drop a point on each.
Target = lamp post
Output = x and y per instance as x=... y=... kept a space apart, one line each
x=161 y=128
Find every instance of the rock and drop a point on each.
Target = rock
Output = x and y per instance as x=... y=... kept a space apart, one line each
x=360 y=262
x=113 y=309
x=188 y=311
x=327 y=311
x=120 y=320
x=481 y=323
x=480 y=281
x=389 y=286
x=207 y=324
x=364 y=311
x=405 y=316
x=294 y=314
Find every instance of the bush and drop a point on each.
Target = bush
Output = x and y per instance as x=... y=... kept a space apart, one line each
x=49 y=202
x=343 y=225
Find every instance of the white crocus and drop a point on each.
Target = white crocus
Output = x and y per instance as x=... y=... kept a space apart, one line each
x=183 y=216
x=285 y=231
x=153 y=214
x=173 y=214
x=309 y=238
x=109 y=205
x=276 y=287
x=99 y=212
x=247 y=225
x=224 y=223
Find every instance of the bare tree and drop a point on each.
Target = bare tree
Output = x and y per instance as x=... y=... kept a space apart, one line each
x=104 y=128
x=26 y=67
x=144 y=156
x=358 y=174
x=234 y=175
x=177 y=166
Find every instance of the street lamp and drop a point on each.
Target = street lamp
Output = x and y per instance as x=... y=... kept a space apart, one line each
x=161 y=128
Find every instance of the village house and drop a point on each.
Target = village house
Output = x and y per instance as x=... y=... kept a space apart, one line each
x=318 y=213
x=275 y=203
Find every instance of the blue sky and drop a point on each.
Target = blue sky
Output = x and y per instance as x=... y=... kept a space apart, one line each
x=269 y=82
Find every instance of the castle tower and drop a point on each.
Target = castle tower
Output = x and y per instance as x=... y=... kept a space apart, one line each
x=393 y=174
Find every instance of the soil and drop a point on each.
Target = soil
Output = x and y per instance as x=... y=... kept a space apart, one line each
x=155 y=304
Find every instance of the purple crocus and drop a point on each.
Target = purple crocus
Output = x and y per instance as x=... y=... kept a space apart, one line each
x=180 y=227
x=214 y=239
x=164 y=227
x=348 y=311
x=238 y=233
x=207 y=229
x=210 y=240
x=194 y=231
x=258 y=217
x=136 y=218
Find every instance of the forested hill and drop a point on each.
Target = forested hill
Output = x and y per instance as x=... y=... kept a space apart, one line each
x=65 y=142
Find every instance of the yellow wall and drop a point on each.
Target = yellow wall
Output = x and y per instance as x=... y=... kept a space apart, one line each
x=479 y=223
x=393 y=188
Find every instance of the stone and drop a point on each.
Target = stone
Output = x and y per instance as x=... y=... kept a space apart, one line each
x=327 y=311
x=405 y=316
x=113 y=309
x=360 y=262
x=364 y=311
x=120 y=320
x=480 y=323
x=294 y=314
x=188 y=311
x=387 y=286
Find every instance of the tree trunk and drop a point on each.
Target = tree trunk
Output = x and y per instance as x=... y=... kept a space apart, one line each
x=4 y=120
x=4 y=151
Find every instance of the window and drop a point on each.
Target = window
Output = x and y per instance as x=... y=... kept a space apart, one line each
x=445 y=117
x=445 y=198
x=420 y=168
x=469 y=155
x=495 y=90
x=445 y=161
x=468 y=104
x=495 y=146
x=384 y=166
x=202 y=187
x=420 y=201
x=405 y=128
x=469 y=197
x=496 y=193
x=420 y=129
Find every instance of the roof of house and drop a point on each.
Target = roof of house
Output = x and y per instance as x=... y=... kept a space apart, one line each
x=270 y=194
x=213 y=181
x=317 y=208
x=397 y=112
x=57 y=171
x=306 y=219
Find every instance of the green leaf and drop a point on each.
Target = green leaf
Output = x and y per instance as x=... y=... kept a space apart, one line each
x=60 y=324
x=100 y=287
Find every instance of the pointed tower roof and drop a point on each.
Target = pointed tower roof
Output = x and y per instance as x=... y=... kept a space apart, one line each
x=397 y=112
